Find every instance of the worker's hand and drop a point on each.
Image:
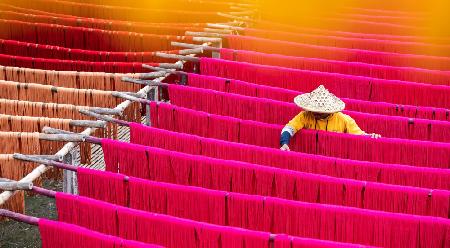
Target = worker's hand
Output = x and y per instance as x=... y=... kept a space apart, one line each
x=373 y=135
x=285 y=147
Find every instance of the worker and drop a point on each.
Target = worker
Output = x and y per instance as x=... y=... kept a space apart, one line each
x=321 y=111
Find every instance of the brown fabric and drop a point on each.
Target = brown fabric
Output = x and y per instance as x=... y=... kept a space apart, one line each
x=69 y=79
x=15 y=170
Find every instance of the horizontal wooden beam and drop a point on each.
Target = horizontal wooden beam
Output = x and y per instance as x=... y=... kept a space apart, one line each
x=16 y=185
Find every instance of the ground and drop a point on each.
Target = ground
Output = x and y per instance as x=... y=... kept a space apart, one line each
x=16 y=234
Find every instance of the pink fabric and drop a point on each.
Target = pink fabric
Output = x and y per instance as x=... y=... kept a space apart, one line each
x=410 y=152
x=333 y=53
x=276 y=112
x=173 y=167
x=350 y=68
x=300 y=219
x=360 y=170
x=357 y=87
x=102 y=185
x=58 y=234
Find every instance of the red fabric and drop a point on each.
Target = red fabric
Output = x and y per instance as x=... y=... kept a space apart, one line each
x=72 y=65
x=334 y=53
x=342 y=67
x=87 y=38
x=357 y=87
x=58 y=234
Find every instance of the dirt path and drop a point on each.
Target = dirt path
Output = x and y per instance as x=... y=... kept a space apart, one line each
x=16 y=234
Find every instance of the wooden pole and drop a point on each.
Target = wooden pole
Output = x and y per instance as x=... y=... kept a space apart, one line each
x=42 y=191
x=207 y=39
x=87 y=138
x=38 y=171
x=15 y=185
x=223 y=26
x=178 y=57
x=204 y=34
x=106 y=111
x=163 y=69
x=84 y=123
x=61 y=137
x=219 y=31
x=60 y=165
x=239 y=18
x=131 y=98
x=19 y=217
x=187 y=45
x=171 y=66
x=104 y=117
x=197 y=50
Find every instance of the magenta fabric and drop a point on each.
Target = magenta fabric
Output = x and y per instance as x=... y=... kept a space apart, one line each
x=56 y=234
x=332 y=166
x=286 y=95
x=400 y=151
x=102 y=185
x=239 y=42
x=350 y=68
x=387 y=229
x=180 y=201
x=173 y=167
x=349 y=86
x=86 y=212
x=276 y=112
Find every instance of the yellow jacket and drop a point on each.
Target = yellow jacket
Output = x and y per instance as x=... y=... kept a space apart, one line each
x=337 y=122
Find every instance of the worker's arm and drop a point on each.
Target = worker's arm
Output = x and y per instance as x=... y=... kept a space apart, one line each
x=290 y=129
x=353 y=128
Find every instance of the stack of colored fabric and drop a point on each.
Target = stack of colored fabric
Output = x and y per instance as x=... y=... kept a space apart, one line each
x=208 y=170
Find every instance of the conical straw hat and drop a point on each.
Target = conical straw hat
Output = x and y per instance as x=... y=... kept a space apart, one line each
x=320 y=100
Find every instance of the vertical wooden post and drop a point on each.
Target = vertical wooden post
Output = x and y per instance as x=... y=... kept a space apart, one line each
x=151 y=96
x=216 y=54
x=70 y=182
